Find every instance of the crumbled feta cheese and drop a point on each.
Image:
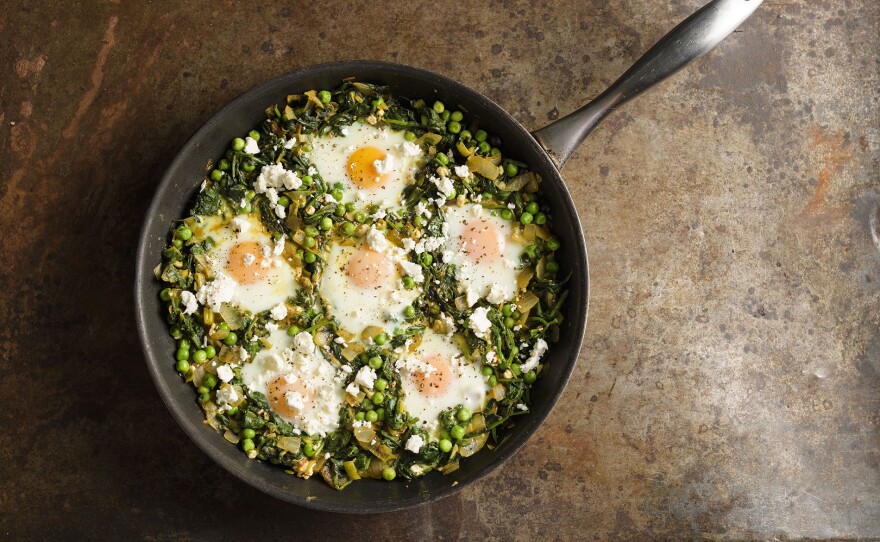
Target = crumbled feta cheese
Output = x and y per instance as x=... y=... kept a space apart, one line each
x=538 y=351
x=227 y=395
x=347 y=369
x=415 y=443
x=352 y=389
x=384 y=166
x=444 y=185
x=491 y=356
x=275 y=176
x=462 y=171
x=273 y=361
x=190 y=303
x=339 y=340
x=361 y=423
x=271 y=326
x=380 y=214
x=365 y=377
x=477 y=210
x=409 y=245
x=447 y=256
x=250 y=146
x=240 y=224
x=243 y=354
x=344 y=130
x=278 y=312
x=312 y=171
x=411 y=149
x=414 y=270
x=216 y=292
x=224 y=373
x=280 y=211
x=522 y=407
x=304 y=342
x=249 y=259
x=471 y=296
x=422 y=210
x=449 y=322
x=413 y=365
x=294 y=400
x=279 y=246
x=479 y=322
x=289 y=143
x=511 y=206
x=376 y=240
x=498 y=294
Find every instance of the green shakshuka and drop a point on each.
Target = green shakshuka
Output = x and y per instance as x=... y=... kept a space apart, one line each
x=365 y=287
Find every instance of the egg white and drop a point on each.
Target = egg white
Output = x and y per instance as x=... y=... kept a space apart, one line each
x=494 y=278
x=278 y=281
x=466 y=384
x=330 y=155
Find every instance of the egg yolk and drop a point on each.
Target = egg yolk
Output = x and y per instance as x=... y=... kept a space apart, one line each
x=481 y=242
x=361 y=167
x=278 y=389
x=243 y=263
x=435 y=383
x=368 y=268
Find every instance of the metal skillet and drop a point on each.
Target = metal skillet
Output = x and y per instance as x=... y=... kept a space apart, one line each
x=545 y=151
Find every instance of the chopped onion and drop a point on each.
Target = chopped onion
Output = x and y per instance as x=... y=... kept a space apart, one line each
x=473 y=445
x=351 y=470
x=364 y=435
x=231 y=437
x=483 y=166
x=289 y=444
x=450 y=467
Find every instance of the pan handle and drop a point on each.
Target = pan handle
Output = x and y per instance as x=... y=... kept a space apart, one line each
x=694 y=37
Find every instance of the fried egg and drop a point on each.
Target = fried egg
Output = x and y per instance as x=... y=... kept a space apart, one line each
x=373 y=164
x=300 y=384
x=485 y=255
x=436 y=377
x=249 y=271
x=362 y=286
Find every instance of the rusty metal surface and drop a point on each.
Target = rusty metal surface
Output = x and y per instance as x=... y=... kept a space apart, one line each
x=729 y=387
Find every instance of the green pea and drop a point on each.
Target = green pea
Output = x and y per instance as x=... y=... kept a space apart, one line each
x=199 y=356
x=380 y=339
x=445 y=445
x=452 y=195
x=165 y=294
x=182 y=366
x=371 y=416
x=388 y=473
x=309 y=449
x=484 y=147
x=515 y=314
x=246 y=209
x=310 y=231
x=409 y=311
x=223 y=165
x=492 y=381
x=182 y=355
x=553 y=243
x=202 y=389
x=337 y=194
x=441 y=158
x=175 y=332
x=445 y=115
x=540 y=219
x=487 y=371
x=378 y=102
x=223 y=326
x=248 y=433
x=409 y=283
x=530 y=377
x=232 y=411
x=409 y=136
x=247 y=444
x=309 y=257
x=380 y=384
x=360 y=216
x=530 y=251
x=464 y=415
x=551 y=267
x=325 y=96
x=255 y=135
x=204 y=398
x=185 y=233
x=359 y=416
x=494 y=151
x=514 y=351
x=457 y=432
x=248 y=166
x=507 y=310
x=210 y=351
x=216 y=175
x=177 y=243
x=532 y=207
x=284 y=201
x=293 y=330
x=481 y=135
x=209 y=381
x=349 y=206
x=456 y=116
x=238 y=144
x=464 y=135
x=184 y=344
x=380 y=412
x=511 y=169
x=309 y=242
x=231 y=339
x=439 y=107
x=506 y=214
x=375 y=362
x=250 y=195
x=526 y=217
x=509 y=322
x=453 y=127
x=420 y=221
x=348 y=228
x=307 y=180
x=427 y=259
x=514 y=368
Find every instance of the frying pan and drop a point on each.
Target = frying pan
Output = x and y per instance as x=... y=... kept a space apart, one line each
x=545 y=151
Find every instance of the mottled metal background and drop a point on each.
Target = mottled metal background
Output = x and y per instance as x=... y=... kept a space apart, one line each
x=729 y=386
